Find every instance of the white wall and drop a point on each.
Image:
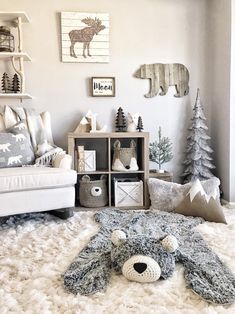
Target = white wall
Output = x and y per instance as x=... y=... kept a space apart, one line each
x=232 y=108
x=219 y=34
x=141 y=31
x=221 y=75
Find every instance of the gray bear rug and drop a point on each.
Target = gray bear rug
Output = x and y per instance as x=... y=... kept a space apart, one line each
x=144 y=247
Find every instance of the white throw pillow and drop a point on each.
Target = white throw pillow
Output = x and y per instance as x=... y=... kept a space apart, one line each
x=46 y=120
x=2 y=124
x=10 y=117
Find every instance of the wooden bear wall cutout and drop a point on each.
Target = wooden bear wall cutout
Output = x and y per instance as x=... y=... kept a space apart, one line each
x=164 y=75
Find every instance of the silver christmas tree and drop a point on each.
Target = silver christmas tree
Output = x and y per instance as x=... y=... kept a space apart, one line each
x=198 y=160
x=160 y=151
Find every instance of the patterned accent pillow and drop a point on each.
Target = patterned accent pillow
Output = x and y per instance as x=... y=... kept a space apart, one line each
x=15 y=147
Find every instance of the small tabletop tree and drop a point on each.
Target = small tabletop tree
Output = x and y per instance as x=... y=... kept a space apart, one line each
x=120 y=121
x=140 y=126
x=15 y=84
x=160 y=151
x=6 y=86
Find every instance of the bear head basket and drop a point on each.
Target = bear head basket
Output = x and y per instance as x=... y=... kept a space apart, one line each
x=93 y=193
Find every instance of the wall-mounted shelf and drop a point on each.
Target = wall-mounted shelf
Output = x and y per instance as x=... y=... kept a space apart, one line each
x=9 y=16
x=16 y=96
x=17 y=58
x=102 y=143
x=9 y=55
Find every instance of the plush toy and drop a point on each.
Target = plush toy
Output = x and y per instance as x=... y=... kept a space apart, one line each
x=132 y=121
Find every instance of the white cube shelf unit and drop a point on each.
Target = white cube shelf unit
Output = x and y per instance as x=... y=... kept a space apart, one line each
x=102 y=143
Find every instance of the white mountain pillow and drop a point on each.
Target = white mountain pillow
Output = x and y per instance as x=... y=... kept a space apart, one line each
x=167 y=196
x=199 y=204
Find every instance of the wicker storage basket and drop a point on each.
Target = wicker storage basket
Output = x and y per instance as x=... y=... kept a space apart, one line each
x=93 y=193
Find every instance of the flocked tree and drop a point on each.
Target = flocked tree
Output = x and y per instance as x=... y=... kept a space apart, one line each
x=120 y=121
x=15 y=83
x=198 y=160
x=6 y=86
x=160 y=151
x=140 y=126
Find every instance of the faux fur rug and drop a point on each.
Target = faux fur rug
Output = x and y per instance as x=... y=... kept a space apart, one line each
x=37 y=249
x=90 y=271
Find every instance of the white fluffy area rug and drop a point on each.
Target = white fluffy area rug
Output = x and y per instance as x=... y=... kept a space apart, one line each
x=35 y=252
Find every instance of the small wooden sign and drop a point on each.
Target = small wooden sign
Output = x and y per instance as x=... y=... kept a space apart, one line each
x=103 y=86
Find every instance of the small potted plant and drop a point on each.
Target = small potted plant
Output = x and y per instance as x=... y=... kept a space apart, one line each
x=160 y=151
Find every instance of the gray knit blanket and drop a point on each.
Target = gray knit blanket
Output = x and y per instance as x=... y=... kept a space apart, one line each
x=204 y=272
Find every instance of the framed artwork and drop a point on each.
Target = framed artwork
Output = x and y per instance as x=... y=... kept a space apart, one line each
x=103 y=86
x=85 y=37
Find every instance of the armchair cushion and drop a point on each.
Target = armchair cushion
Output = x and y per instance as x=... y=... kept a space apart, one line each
x=35 y=178
x=15 y=147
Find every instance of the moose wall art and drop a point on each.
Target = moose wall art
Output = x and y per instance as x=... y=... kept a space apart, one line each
x=85 y=37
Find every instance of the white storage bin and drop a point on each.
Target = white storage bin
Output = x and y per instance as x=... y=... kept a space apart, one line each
x=128 y=193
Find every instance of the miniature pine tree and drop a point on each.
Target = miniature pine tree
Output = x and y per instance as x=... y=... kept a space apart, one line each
x=15 y=83
x=140 y=126
x=120 y=121
x=160 y=151
x=6 y=86
x=198 y=162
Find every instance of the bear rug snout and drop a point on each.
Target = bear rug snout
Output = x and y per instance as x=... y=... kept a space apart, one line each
x=141 y=269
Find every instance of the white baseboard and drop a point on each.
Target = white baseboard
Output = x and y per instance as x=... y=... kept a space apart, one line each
x=228 y=204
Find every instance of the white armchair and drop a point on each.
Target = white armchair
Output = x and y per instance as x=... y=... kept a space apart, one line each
x=36 y=189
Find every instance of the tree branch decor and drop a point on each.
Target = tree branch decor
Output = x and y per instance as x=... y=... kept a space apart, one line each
x=160 y=151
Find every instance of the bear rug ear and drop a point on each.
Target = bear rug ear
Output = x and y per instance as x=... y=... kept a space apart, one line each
x=170 y=243
x=117 y=237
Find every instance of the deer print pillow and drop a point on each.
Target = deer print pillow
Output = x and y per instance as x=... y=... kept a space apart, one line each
x=15 y=147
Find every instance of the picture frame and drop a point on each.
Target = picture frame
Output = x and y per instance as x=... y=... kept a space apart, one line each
x=85 y=37
x=90 y=160
x=103 y=86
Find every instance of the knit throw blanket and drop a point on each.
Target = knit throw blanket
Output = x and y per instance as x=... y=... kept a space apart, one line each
x=204 y=272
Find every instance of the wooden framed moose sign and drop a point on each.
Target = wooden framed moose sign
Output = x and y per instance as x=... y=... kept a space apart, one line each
x=85 y=37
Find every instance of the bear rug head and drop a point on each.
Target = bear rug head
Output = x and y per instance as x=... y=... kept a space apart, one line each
x=141 y=258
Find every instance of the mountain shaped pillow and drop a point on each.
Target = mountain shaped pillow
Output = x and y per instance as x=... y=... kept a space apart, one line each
x=199 y=204
x=167 y=196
